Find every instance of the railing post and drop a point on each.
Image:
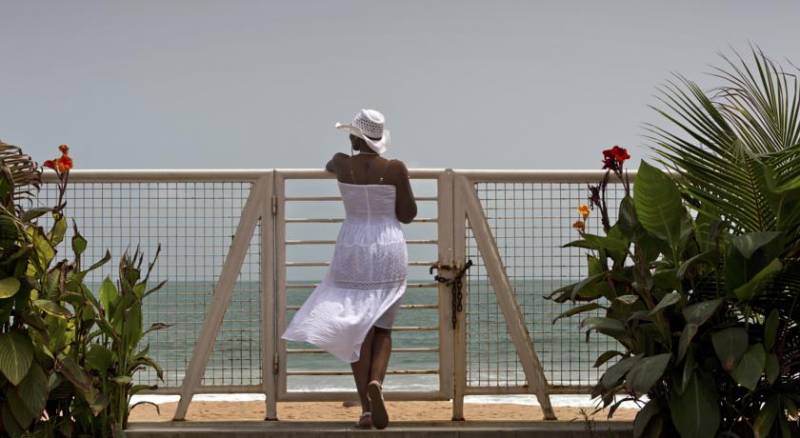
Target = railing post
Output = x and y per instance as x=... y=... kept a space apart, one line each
x=444 y=238
x=460 y=332
x=268 y=310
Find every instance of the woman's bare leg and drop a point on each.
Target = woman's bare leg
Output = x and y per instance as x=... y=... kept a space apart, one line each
x=361 y=370
x=381 y=350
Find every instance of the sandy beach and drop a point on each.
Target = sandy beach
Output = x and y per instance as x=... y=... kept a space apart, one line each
x=399 y=411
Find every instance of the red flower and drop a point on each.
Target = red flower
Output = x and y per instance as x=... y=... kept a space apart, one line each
x=614 y=158
x=50 y=164
x=64 y=149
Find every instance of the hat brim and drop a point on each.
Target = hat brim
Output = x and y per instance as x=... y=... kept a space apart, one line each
x=378 y=146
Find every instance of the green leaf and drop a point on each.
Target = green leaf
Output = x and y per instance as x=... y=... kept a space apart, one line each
x=58 y=230
x=730 y=344
x=617 y=371
x=578 y=309
x=99 y=358
x=644 y=416
x=688 y=370
x=700 y=312
x=9 y=287
x=766 y=417
x=582 y=288
x=709 y=257
x=772 y=368
x=12 y=428
x=771 y=329
x=646 y=373
x=668 y=300
x=686 y=339
x=695 y=411
x=749 y=243
x=19 y=410
x=108 y=295
x=591 y=241
x=83 y=383
x=750 y=367
x=658 y=204
x=33 y=389
x=52 y=308
x=16 y=355
x=605 y=357
x=603 y=325
x=79 y=243
x=749 y=289
x=122 y=380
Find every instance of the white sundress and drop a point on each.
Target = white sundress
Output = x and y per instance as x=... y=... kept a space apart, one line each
x=366 y=278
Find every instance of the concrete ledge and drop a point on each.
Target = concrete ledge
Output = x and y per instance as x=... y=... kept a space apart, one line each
x=444 y=429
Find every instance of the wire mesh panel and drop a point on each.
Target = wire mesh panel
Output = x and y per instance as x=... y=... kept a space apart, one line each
x=531 y=221
x=194 y=222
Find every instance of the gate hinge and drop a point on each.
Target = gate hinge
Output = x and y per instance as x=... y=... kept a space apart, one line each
x=274 y=205
x=275 y=367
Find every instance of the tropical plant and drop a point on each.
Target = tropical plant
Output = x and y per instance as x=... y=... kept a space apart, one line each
x=699 y=277
x=67 y=358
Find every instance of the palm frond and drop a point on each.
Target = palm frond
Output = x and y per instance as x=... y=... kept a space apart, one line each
x=25 y=173
x=716 y=139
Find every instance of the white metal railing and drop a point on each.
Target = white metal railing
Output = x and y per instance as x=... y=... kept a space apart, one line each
x=227 y=233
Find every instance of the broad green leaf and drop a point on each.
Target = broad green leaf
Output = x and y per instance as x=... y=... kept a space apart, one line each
x=766 y=417
x=749 y=243
x=108 y=295
x=33 y=389
x=605 y=357
x=9 y=287
x=16 y=355
x=617 y=371
x=658 y=204
x=99 y=358
x=44 y=251
x=591 y=241
x=688 y=370
x=686 y=338
x=646 y=373
x=771 y=329
x=772 y=368
x=12 y=428
x=58 y=230
x=695 y=411
x=700 y=312
x=122 y=380
x=578 y=309
x=53 y=308
x=83 y=383
x=750 y=367
x=752 y=287
x=643 y=417
x=586 y=287
x=20 y=410
x=603 y=325
x=627 y=221
x=668 y=300
x=709 y=257
x=79 y=243
x=730 y=344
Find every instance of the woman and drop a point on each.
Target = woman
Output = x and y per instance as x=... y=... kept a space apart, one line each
x=351 y=313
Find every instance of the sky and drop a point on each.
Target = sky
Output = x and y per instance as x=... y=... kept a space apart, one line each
x=260 y=84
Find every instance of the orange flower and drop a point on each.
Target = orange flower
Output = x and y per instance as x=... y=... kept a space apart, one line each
x=579 y=225
x=64 y=163
x=583 y=210
x=61 y=164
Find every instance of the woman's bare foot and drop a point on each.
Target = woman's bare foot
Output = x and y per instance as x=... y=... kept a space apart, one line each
x=380 y=418
x=364 y=421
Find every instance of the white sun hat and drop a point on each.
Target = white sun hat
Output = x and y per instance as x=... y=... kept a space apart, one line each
x=367 y=124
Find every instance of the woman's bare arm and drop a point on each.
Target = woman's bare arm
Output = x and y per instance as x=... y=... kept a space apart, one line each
x=331 y=166
x=406 y=205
